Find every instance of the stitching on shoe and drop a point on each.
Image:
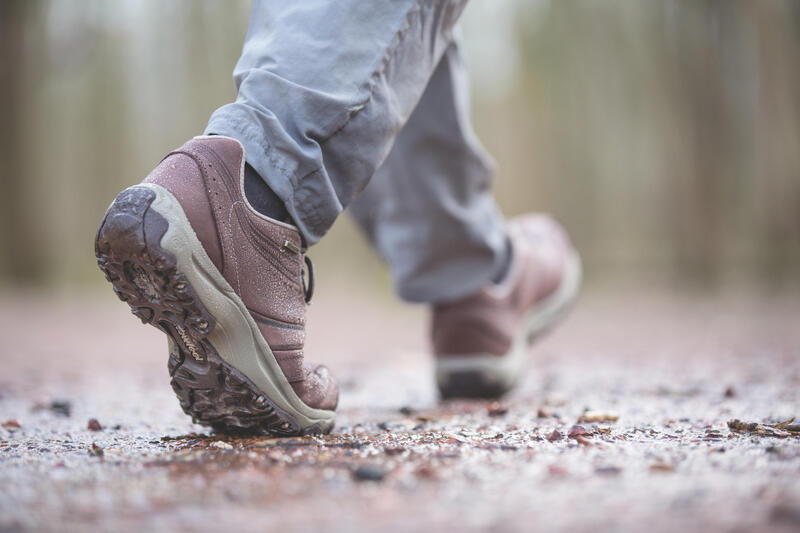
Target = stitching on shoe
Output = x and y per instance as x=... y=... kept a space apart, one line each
x=244 y=221
x=288 y=348
x=233 y=250
x=274 y=322
x=198 y=160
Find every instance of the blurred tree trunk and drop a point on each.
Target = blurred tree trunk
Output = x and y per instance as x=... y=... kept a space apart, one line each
x=779 y=138
x=17 y=249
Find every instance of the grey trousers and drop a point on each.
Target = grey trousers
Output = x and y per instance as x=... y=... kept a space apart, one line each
x=365 y=105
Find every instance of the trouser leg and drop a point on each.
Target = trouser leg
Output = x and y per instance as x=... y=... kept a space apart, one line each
x=429 y=210
x=324 y=88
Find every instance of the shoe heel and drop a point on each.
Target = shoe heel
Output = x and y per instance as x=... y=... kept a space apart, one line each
x=146 y=277
x=143 y=274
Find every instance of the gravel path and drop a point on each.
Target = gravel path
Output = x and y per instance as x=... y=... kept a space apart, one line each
x=673 y=368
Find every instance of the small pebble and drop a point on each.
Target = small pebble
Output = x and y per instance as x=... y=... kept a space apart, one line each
x=608 y=470
x=496 y=409
x=577 y=431
x=96 y=451
x=393 y=450
x=369 y=473
x=61 y=407
x=426 y=472
x=94 y=425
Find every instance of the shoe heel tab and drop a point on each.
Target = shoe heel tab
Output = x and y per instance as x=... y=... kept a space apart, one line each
x=218 y=138
x=229 y=149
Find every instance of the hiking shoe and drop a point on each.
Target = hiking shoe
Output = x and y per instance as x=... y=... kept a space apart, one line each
x=481 y=341
x=188 y=253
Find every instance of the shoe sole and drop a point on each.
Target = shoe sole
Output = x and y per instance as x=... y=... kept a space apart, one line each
x=220 y=366
x=491 y=376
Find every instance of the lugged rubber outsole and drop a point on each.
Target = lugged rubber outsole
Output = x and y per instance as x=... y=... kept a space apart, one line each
x=146 y=277
x=491 y=376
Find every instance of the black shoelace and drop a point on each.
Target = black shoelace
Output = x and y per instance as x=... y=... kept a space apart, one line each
x=309 y=288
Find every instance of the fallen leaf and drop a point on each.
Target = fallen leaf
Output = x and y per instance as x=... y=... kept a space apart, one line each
x=782 y=425
x=662 y=467
x=598 y=416
x=764 y=430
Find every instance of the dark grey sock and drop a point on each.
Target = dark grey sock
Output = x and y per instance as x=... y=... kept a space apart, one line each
x=262 y=198
x=503 y=270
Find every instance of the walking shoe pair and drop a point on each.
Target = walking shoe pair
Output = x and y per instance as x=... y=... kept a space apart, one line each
x=229 y=286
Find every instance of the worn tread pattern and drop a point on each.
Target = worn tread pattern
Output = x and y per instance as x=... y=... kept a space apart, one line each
x=146 y=277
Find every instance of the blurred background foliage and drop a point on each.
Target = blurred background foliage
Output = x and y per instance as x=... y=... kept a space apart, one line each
x=665 y=133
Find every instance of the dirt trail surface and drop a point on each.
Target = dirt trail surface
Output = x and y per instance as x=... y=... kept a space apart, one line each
x=674 y=369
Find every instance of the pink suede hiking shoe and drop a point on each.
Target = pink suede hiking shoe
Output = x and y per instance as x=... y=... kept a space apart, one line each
x=480 y=342
x=226 y=284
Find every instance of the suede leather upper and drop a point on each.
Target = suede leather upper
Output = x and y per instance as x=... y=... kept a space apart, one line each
x=260 y=258
x=486 y=322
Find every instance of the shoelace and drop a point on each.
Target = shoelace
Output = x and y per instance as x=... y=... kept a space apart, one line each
x=308 y=289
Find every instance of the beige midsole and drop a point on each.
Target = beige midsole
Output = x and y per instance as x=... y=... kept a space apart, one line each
x=506 y=369
x=236 y=336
